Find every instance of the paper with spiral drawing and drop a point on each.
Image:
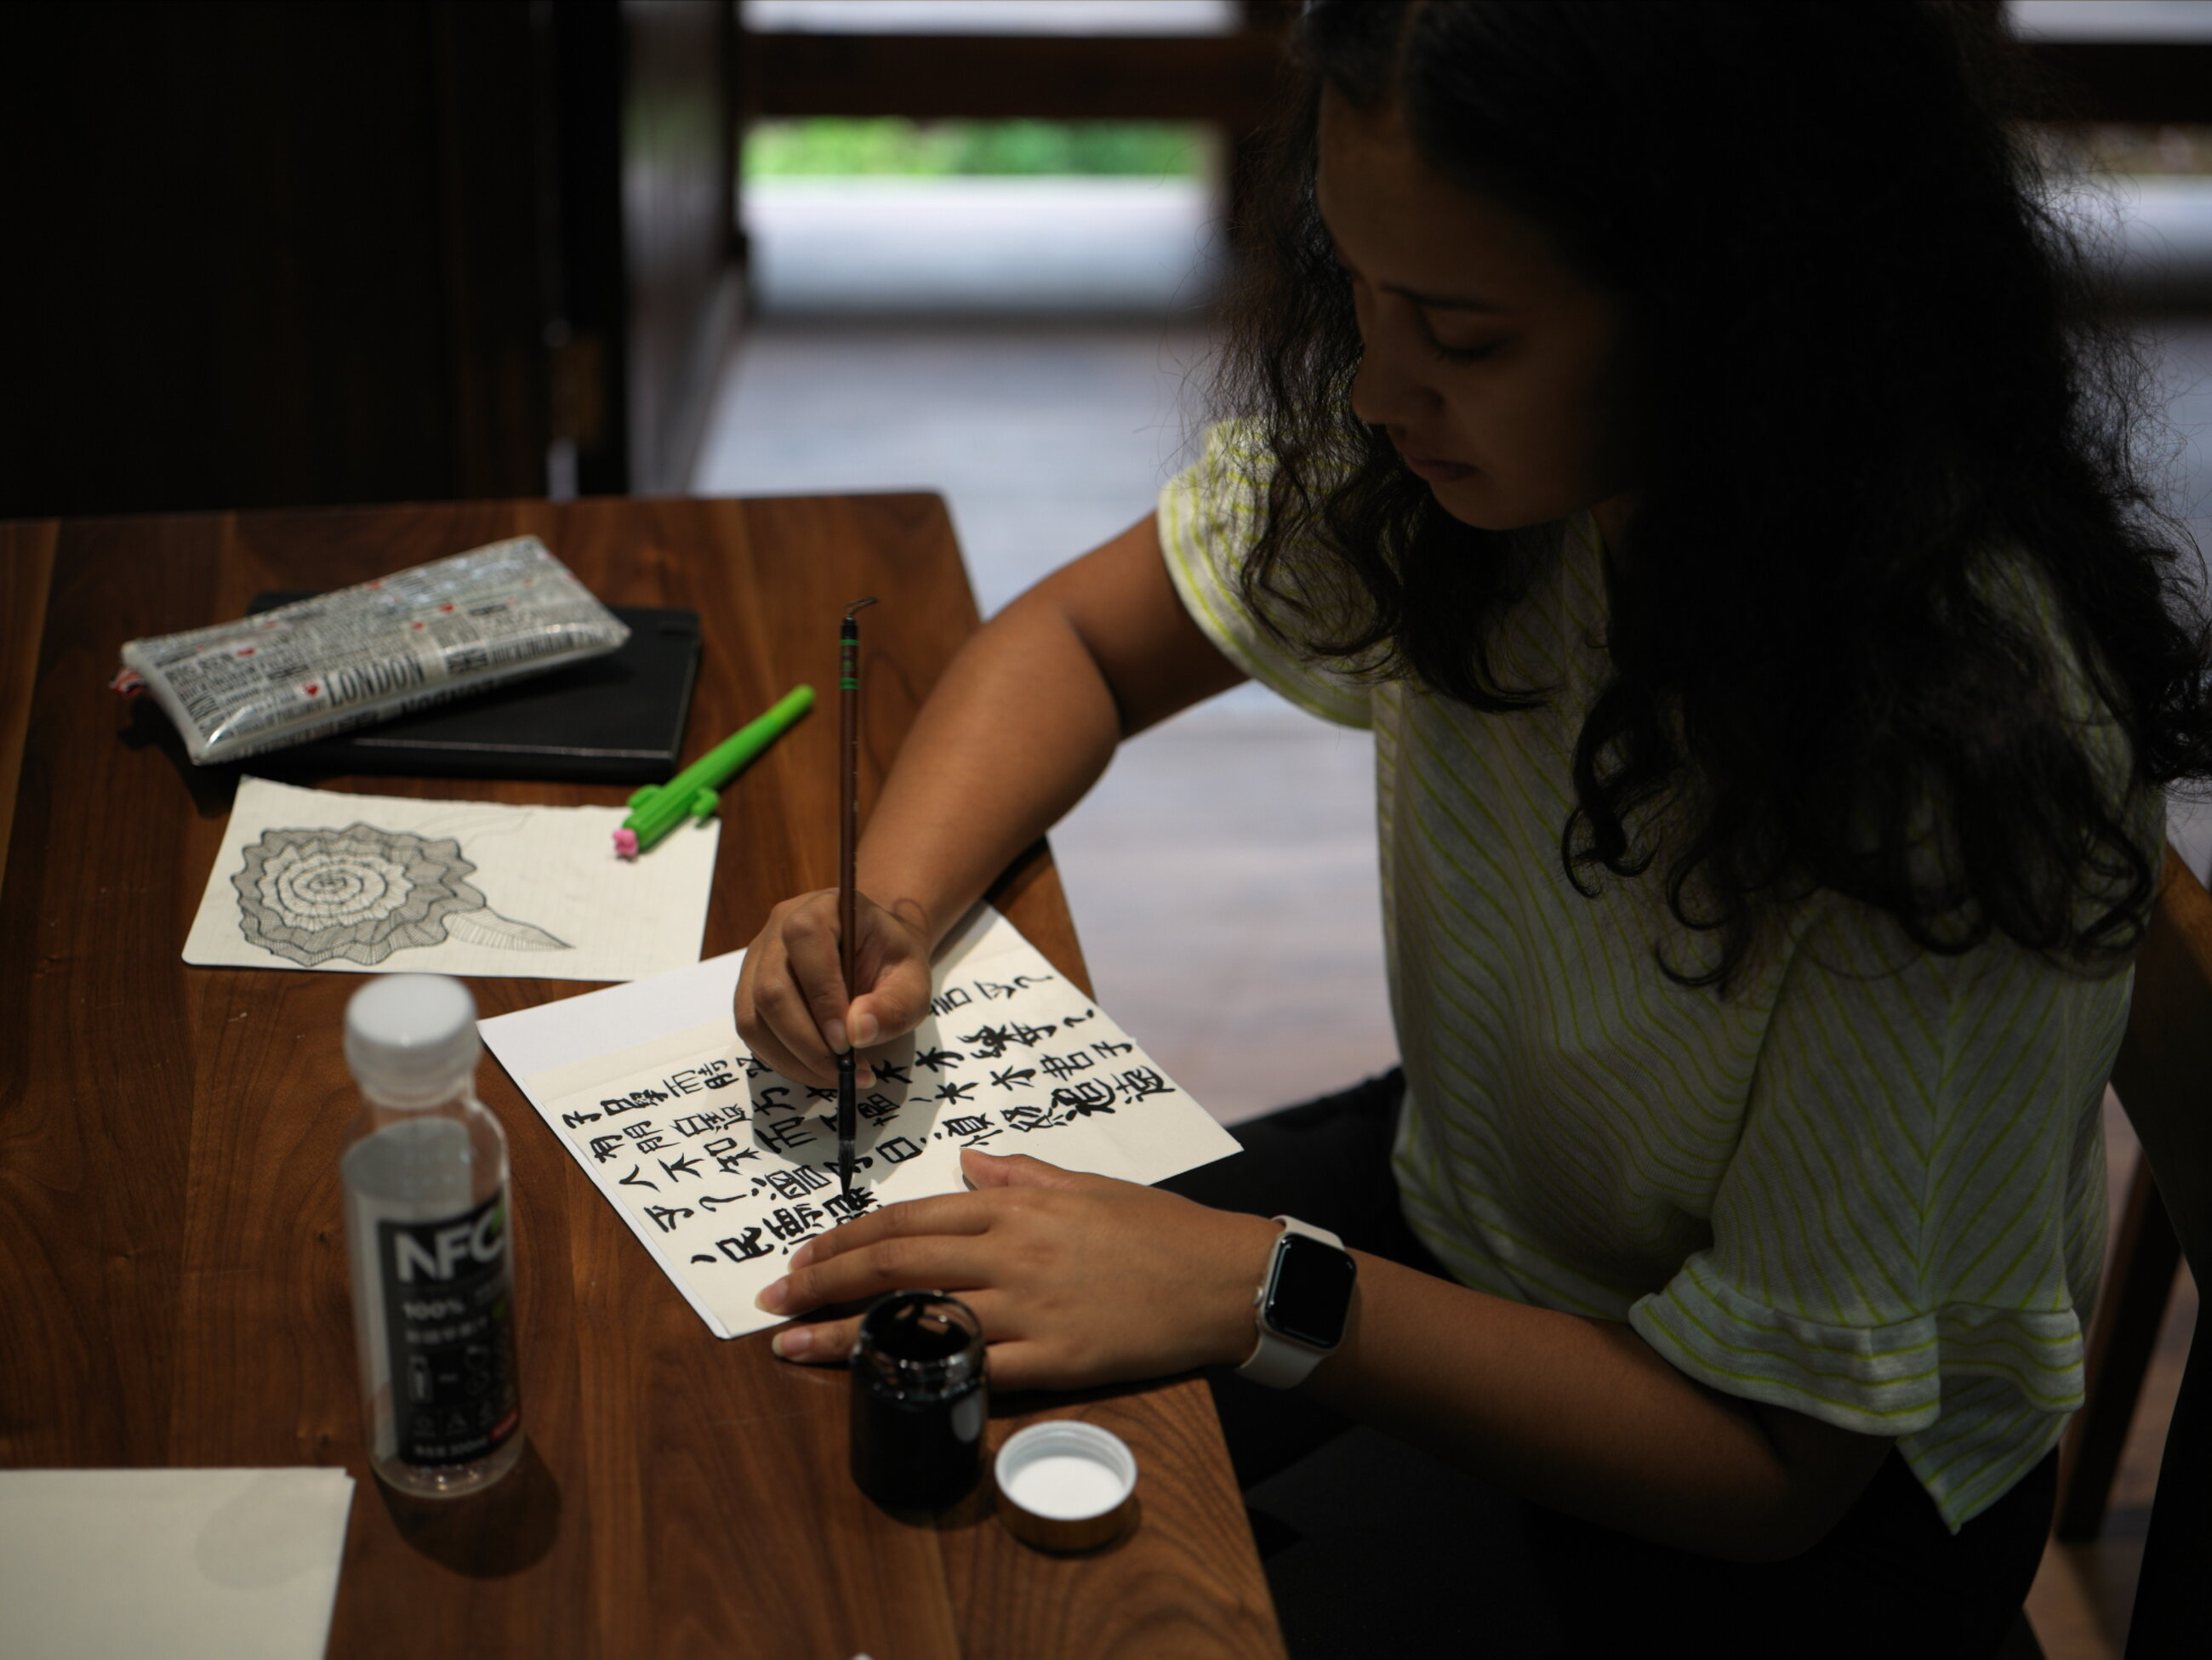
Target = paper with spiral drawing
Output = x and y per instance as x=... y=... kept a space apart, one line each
x=721 y=1168
x=318 y=879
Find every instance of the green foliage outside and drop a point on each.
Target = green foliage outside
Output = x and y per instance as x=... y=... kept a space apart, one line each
x=888 y=146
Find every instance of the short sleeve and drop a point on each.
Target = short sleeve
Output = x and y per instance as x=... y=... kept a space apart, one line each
x=1209 y=517
x=1911 y=1229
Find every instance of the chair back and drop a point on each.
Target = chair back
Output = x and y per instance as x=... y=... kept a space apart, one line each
x=2164 y=1079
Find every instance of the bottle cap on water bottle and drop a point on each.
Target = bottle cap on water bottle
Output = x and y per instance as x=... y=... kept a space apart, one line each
x=411 y=1039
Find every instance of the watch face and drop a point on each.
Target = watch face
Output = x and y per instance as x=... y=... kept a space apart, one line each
x=1310 y=1294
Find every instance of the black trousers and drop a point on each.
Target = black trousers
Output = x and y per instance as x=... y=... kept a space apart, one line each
x=1890 y=1576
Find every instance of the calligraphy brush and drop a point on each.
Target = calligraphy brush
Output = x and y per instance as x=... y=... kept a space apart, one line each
x=848 y=838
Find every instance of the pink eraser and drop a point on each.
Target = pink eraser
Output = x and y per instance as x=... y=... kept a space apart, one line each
x=626 y=843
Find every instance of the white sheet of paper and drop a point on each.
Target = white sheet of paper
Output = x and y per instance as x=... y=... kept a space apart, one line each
x=721 y=1167
x=317 y=880
x=190 y=1565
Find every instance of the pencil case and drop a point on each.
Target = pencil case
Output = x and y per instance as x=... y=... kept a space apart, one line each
x=362 y=654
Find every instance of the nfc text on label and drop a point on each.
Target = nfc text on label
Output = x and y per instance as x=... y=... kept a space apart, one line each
x=480 y=1243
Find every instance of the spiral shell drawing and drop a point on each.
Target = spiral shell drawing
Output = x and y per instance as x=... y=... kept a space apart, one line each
x=361 y=893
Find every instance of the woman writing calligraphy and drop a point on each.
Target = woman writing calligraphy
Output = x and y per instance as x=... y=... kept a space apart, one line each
x=1677 y=429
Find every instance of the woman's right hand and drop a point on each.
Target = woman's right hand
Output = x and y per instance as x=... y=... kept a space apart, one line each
x=793 y=1009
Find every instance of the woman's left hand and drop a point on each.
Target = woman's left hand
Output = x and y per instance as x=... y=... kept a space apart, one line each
x=1078 y=1279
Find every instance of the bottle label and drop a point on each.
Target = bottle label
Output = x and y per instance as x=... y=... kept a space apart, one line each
x=449 y=1320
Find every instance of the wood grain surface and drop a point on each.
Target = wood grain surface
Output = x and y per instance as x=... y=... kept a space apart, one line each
x=172 y=1277
x=27 y=562
x=2164 y=1060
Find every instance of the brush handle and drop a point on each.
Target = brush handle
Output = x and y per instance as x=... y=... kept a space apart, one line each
x=848 y=785
x=849 y=840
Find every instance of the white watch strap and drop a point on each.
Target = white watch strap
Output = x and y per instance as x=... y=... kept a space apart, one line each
x=1276 y=1361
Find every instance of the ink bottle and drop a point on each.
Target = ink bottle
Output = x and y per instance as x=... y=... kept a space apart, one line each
x=918 y=1401
x=429 y=1234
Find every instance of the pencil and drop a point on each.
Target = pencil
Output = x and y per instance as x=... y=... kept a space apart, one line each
x=848 y=839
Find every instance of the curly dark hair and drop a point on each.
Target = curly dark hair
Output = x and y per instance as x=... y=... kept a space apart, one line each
x=1880 y=354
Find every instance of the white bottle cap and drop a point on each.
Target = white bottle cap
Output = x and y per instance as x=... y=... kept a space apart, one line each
x=1066 y=1486
x=411 y=1039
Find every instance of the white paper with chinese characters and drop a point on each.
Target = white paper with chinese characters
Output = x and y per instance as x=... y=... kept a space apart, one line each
x=321 y=879
x=721 y=1167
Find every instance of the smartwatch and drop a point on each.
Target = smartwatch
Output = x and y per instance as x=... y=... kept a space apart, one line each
x=1302 y=1305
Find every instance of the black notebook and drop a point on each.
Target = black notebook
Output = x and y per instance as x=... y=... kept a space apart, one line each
x=616 y=718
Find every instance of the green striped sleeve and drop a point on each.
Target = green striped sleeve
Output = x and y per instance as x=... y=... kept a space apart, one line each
x=1924 y=1117
x=1209 y=516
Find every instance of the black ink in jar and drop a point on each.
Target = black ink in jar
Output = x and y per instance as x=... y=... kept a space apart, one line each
x=918 y=1401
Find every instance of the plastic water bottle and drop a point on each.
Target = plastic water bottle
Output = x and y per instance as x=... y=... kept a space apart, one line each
x=429 y=1233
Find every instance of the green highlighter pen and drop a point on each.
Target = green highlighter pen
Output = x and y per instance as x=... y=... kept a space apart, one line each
x=660 y=808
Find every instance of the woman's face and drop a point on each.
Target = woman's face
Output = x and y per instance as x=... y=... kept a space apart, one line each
x=1500 y=373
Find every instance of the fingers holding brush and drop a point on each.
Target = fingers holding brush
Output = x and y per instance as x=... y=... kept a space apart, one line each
x=791 y=1007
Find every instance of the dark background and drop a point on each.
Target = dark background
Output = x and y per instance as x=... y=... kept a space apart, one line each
x=266 y=254
x=272 y=254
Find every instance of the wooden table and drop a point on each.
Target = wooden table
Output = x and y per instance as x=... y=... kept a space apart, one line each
x=172 y=1276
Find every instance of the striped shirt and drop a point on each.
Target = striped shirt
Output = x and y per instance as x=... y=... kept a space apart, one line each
x=1868 y=1185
